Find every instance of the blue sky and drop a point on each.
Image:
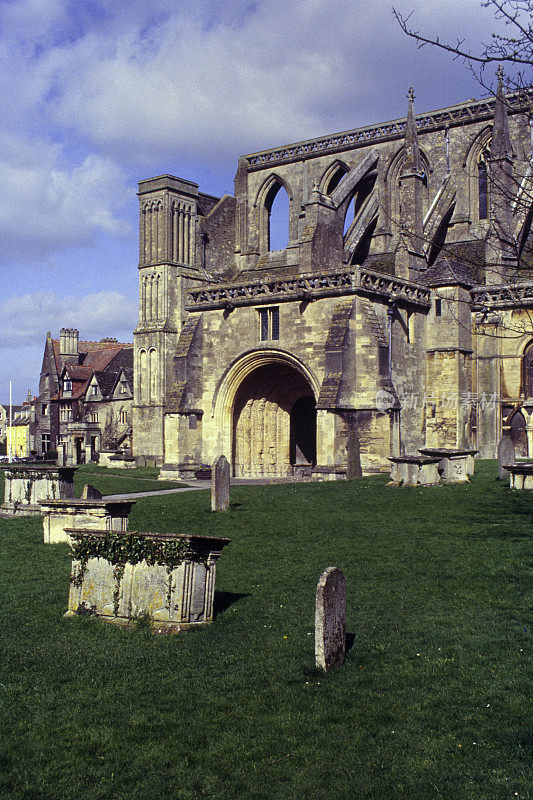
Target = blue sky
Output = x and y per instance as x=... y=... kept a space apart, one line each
x=98 y=94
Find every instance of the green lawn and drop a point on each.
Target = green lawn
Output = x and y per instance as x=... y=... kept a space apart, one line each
x=114 y=481
x=121 y=481
x=432 y=703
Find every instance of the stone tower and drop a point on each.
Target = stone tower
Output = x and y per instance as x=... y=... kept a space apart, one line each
x=167 y=244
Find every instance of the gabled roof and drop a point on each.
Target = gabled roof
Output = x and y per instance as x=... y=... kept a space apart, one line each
x=95 y=354
x=106 y=381
x=127 y=374
x=103 y=359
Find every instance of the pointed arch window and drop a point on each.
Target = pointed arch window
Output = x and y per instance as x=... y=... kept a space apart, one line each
x=277 y=210
x=483 y=186
x=333 y=180
x=527 y=365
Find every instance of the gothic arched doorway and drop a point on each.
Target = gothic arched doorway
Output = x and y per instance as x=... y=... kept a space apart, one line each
x=274 y=422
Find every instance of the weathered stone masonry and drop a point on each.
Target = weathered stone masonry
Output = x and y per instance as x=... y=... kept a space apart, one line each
x=364 y=323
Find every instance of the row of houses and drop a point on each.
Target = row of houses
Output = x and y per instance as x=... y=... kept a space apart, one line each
x=84 y=401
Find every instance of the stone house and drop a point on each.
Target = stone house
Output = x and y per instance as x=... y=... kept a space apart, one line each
x=4 y=422
x=20 y=435
x=85 y=396
x=395 y=316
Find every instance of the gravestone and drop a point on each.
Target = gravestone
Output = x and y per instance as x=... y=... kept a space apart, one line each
x=220 y=484
x=90 y=493
x=505 y=456
x=330 y=619
x=353 y=457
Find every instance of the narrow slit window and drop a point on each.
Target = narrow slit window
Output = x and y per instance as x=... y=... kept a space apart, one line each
x=483 y=200
x=263 y=315
x=269 y=323
x=274 y=320
x=438 y=308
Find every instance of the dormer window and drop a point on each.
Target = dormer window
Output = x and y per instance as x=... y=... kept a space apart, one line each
x=94 y=390
x=123 y=387
x=67 y=385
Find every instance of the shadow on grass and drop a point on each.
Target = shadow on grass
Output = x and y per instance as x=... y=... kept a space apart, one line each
x=350 y=639
x=223 y=600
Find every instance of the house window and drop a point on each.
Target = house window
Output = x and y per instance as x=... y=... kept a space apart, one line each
x=65 y=413
x=94 y=390
x=123 y=387
x=123 y=417
x=45 y=442
x=44 y=409
x=269 y=323
x=67 y=385
x=93 y=417
x=438 y=308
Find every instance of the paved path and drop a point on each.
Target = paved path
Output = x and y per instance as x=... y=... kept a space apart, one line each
x=195 y=485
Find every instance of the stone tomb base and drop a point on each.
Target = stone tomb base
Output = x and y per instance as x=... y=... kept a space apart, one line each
x=172 y=598
x=414 y=470
x=27 y=484
x=521 y=475
x=102 y=515
x=455 y=466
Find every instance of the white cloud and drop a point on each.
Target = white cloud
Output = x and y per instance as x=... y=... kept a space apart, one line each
x=172 y=81
x=26 y=318
x=49 y=204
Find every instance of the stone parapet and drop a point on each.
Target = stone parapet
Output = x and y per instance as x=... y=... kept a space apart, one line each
x=473 y=111
x=312 y=285
x=498 y=296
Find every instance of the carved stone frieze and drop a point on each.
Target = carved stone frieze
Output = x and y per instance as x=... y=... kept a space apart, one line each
x=519 y=295
x=352 y=280
x=454 y=115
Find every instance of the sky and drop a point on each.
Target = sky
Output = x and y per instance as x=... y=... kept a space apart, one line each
x=99 y=94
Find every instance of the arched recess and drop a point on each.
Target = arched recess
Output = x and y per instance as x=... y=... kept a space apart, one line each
x=392 y=180
x=477 y=169
x=153 y=374
x=266 y=197
x=256 y=416
x=142 y=377
x=527 y=370
x=332 y=177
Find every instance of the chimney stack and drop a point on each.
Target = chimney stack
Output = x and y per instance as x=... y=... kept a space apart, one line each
x=68 y=342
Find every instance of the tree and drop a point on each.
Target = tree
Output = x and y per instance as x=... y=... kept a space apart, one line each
x=509 y=249
x=514 y=49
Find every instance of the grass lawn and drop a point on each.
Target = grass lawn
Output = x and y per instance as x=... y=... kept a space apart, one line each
x=114 y=481
x=432 y=703
x=121 y=481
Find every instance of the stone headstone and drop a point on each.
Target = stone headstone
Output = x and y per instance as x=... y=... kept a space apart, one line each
x=505 y=456
x=90 y=493
x=353 y=456
x=61 y=455
x=220 y=484
x=330 y=619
